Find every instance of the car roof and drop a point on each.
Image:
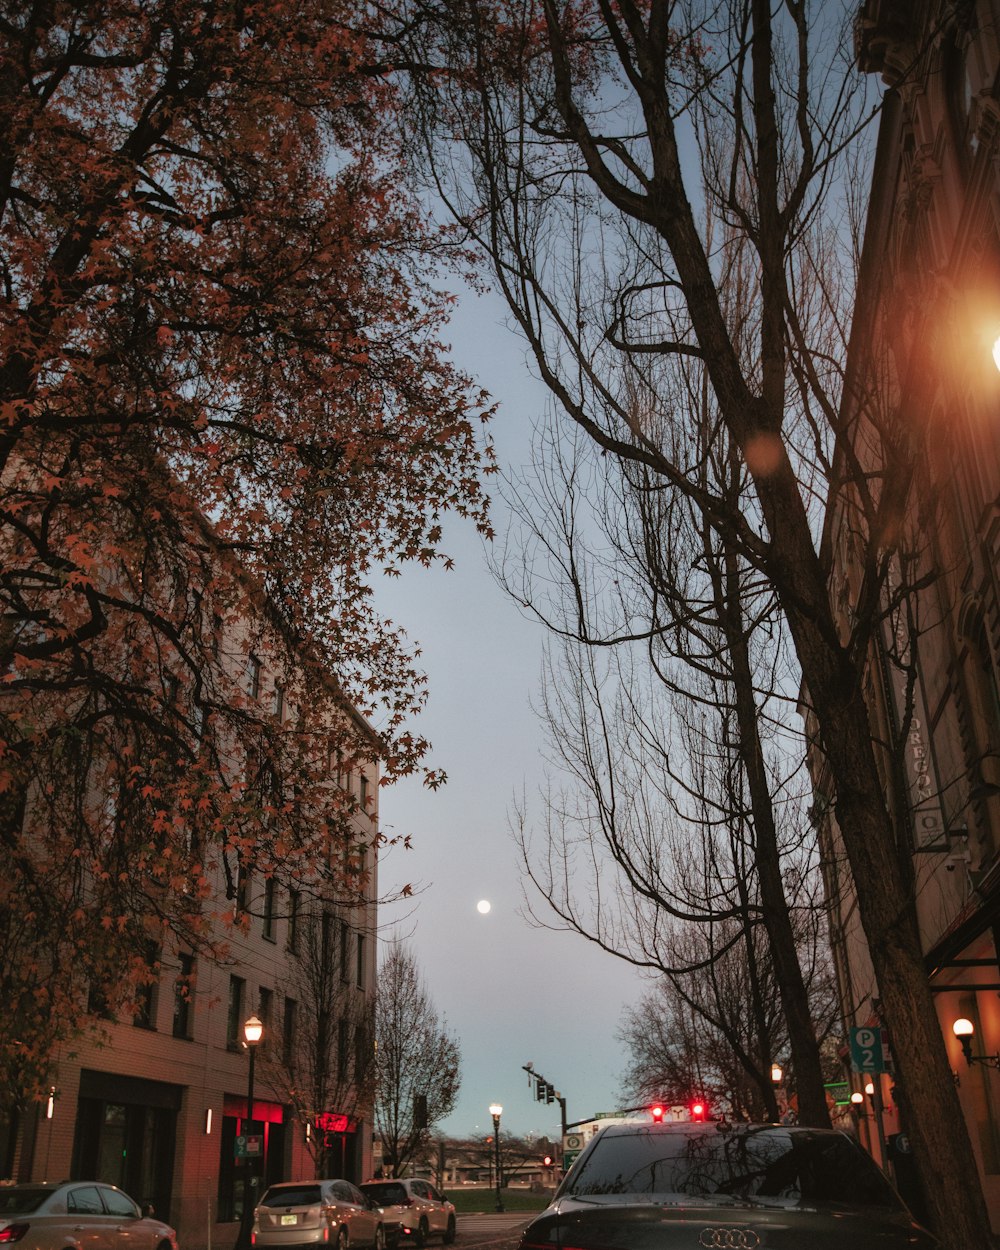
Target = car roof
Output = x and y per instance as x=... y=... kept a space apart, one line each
x=709 y=1127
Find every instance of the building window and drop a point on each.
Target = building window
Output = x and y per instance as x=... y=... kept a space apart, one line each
x=342 y=1043
x=254 y=671
x=269 y=899
x=242 y=890
x=344 y=935
x=363 y=779
x=288 y=1032
x=183 y=990
x=359 y=971
x=279 y=702
x=265 y=1010
x=145 y=995
x=293 y=920
x=234 y=1017
x=361 y=1053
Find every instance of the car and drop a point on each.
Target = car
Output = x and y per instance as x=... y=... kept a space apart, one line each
x=723 y=1186
x=311 y=1213
x=78 y=1215
x=421 y=1210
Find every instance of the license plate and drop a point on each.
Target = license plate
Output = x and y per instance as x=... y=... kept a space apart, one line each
x=289 y=1219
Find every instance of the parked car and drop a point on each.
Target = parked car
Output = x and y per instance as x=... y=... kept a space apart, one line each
x=421 y=1210
x=309 y=1213
x=731 y=1187
x=78 y=1215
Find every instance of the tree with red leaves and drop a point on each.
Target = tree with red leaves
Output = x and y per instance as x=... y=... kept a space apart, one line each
x=224 y=406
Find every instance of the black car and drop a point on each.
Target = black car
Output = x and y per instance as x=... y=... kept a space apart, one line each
x=721 y=1186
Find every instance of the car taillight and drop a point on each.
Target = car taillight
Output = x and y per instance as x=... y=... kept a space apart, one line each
x=13 y=1232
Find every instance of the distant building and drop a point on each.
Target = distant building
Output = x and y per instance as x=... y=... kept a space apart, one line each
x=928 y=311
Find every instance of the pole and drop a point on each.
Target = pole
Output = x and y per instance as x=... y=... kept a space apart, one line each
x=496 y=1149
x=246 y=1222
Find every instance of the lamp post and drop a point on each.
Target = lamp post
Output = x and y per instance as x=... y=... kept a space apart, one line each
x=964 y=1030
x=496 y=1111
x=253 y=1031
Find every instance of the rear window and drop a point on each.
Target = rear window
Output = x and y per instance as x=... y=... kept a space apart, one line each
x=292 y=1196
x=801 y=1167
x=385 y=1195
x=18 y=1199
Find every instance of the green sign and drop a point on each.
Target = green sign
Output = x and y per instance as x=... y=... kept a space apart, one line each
x=868 y=1050
x=249 y=1146
x=569 y=1157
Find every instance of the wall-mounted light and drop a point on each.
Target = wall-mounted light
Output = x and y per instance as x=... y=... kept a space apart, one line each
x=777 y=1074
x=208 y=1120
x=964 y=1030
x=996 y=353
x=50 y=1106
x=870 y=1089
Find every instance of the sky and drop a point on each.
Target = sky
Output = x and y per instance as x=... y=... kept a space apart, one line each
x=510 y=992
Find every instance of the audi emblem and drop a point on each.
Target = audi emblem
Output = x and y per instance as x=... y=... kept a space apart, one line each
x=728 y=1239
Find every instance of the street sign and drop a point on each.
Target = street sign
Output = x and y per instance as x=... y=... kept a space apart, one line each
x=569 y=1156
x=249 y=1146
x=868 y=1050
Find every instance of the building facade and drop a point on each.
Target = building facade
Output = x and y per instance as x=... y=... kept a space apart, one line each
x=157 y=1102
x=920 y=364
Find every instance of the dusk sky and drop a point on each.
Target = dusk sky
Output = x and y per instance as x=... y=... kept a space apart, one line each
x=511 y=993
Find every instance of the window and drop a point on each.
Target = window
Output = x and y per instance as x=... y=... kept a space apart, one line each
x=344 y=934
x=342 y=1036
x=293 y=920
x=145 y=994
x=234 y=1017
x=183 y=989
x=360 y=1052
x=288 y=1031
x=269 y=898
x=279 y=702
x=254 y=672
x=363 y=779
x=265 y=1010
x=359 y=971
x=242 y=890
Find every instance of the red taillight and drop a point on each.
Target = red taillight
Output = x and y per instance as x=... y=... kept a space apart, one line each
x=13 y=1232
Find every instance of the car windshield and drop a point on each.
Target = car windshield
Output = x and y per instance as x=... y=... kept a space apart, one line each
x=18 y=1199
x=385 y=1194
x=292 y=1196
x=768 y=1163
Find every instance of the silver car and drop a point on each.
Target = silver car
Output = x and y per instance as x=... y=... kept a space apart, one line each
x=310 y=1213
x=416 y=1208
x=78 y=1215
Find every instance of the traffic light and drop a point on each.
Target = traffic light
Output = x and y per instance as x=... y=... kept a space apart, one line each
x=656 y=1111
x=547 y=1161
x=540 y=1087
x=698 y=1110
x=550 y=1093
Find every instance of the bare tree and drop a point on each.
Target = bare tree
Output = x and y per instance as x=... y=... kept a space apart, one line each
x=325 y=1067
x=596 y=140
x=418 y=1063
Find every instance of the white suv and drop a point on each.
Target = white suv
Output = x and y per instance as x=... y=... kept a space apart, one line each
x=422 y=1210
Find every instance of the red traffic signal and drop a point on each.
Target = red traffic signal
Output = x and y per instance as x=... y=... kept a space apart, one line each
x=656 y=1111
x=547 y=1161
x=698 y=1110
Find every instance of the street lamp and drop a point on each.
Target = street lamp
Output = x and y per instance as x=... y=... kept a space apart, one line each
x=496 y=1111
x=253 y=1031
x=964 y=1030
x=777 y=1074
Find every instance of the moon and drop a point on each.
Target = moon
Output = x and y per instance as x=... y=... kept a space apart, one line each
x=483 y=906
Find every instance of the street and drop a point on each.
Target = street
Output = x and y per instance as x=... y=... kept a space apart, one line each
x=496 y=1231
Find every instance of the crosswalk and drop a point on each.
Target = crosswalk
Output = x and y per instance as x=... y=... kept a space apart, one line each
x=499 y=1226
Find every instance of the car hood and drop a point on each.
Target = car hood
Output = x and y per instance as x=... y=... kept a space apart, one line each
x=672 y=1222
